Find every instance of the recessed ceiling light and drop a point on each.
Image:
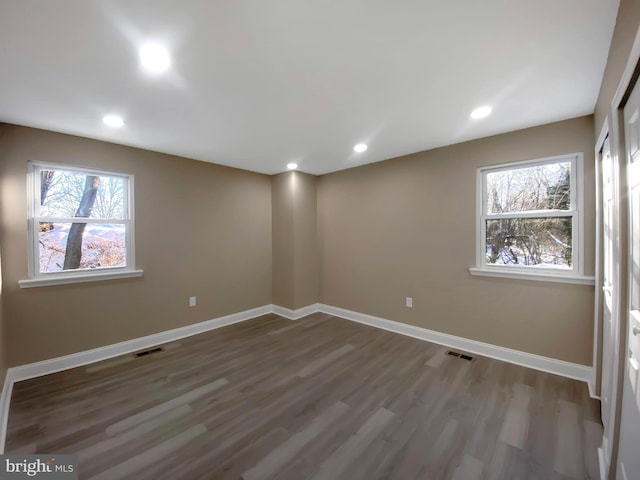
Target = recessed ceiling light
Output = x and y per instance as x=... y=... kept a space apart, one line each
x=481 y=112
x=361 y=147
x=114 y=121
x=292 y=166
x=154 y=57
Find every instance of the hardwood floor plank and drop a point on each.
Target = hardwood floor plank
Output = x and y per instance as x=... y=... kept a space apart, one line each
x=508 y=462
x=470 y=469
x=243 y=458
x=568 y=458
x=277 y=458
x=592 y=436
x=128 y=468
x=134 y=433
x=440 y=460
x=164 y=407
x=378 y=459
x=194 y=462
x=324 y=361
x=286 y=328
x=516 y=423
x=409 y=389
x=329 y=441
x=316 y=319
x=437 y=358
x=333 y=467
x=411 y=460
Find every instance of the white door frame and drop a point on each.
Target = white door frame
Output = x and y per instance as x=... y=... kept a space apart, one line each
x=627 y=461
x=618 y=152
x=596 y=363
x=607 y=452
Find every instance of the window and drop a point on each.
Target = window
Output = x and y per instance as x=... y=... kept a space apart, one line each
x=64 y=249
x=530 y=218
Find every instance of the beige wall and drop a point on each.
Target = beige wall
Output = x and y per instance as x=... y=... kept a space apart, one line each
x=295 y=240
x=201 y=229
x=282 y=237
x=624 y=34
x=406 y=227
x=306 y=256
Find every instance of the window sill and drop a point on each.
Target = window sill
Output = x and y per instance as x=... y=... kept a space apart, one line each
x=78 y=278
x=535 y=276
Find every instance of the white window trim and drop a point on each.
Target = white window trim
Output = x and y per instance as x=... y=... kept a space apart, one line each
x=536 y=276
x=112 y=274
x=37 y=278
x=576 y=273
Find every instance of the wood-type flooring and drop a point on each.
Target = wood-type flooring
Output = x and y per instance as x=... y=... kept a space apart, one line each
x=318 y=398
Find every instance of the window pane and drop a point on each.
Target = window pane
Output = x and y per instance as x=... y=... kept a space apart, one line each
x=77 y=194
x=82 y=246
x=539 y=187
x=542 y=242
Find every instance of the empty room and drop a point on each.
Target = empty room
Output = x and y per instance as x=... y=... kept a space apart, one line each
x=320 y=240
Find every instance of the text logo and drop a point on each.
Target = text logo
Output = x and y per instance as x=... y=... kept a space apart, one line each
x=52 y=467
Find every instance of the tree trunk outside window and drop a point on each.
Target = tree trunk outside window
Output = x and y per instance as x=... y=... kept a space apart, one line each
x=74 y=240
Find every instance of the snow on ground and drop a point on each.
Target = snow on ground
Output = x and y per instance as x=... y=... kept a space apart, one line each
x=103 y=245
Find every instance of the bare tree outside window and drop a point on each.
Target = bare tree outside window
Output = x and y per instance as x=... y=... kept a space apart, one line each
x=99 y=240
x=528 y=216
x=73 y=252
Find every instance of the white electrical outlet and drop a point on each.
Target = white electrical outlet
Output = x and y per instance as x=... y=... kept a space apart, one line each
x=409 y=302
x=192 y=301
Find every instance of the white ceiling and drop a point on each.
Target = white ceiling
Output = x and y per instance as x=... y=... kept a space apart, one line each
x=256 y=84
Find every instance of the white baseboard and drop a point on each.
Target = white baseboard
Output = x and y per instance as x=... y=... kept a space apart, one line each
x=58 y=364
x=537 y=362
x=296 y=314
x=5 y=400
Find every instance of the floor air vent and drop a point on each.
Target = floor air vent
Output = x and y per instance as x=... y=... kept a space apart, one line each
x=148 y=352
x=460 y=355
